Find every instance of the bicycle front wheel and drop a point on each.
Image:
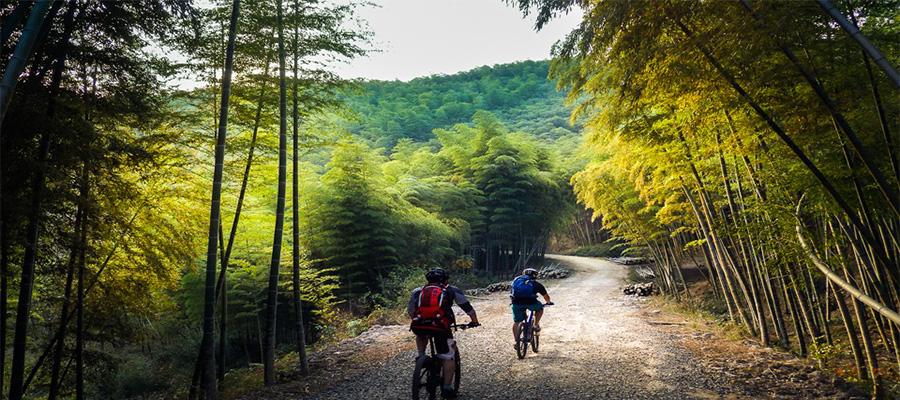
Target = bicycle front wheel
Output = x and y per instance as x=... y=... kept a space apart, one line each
x=535 y=342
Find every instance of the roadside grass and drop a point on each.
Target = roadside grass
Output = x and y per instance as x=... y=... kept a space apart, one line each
x=698 y=316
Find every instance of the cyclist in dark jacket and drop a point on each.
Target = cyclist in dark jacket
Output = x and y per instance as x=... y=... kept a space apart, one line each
x=522 y=303
x=444 y=344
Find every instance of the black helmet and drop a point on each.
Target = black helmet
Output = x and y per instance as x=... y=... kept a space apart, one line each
x=530 y=272
x=437 y=275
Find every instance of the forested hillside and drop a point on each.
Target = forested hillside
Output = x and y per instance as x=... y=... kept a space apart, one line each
x=519 y=94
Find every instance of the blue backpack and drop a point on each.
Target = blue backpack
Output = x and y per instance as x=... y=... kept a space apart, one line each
x=523 y=288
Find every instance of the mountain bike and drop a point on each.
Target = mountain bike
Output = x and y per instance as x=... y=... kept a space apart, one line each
x=428 y=375
x=527 y=335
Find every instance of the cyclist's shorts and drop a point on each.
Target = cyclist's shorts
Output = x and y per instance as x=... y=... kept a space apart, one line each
x=442 y=345
x=519 y=310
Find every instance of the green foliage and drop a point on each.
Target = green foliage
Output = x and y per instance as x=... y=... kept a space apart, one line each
x=519 y=94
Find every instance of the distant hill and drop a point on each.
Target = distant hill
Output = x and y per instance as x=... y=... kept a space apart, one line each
x=519 y=94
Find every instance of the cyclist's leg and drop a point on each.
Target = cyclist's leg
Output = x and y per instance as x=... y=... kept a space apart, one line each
x=518 y=317
x=538 y=313
x=421 y=344
x=446 y=349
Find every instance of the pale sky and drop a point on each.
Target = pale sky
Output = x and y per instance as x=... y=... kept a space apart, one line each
x=425 y=37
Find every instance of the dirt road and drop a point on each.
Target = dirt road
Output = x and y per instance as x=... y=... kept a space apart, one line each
x=596 y=344
x=593 y=345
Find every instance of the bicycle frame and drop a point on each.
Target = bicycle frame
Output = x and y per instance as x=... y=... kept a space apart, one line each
x=527 y=335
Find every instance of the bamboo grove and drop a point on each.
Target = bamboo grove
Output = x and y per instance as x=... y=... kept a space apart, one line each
x=759 y=139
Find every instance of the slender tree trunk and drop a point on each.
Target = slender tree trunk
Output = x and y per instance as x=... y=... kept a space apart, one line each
x=792 y=310
x=26 y=283
x=9 y=25
x=79 y=324
x=854 y=32
x=11 y=75
x=61 y=54
x=208 y=377
x=272 y=291
x=861 y=371
x=67 y=298
x=295 y=206
x=4 y=275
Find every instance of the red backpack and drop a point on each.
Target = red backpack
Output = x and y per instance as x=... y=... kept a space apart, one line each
x=431 y=311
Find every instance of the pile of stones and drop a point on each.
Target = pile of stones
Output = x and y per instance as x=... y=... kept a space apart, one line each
x=553 y=271
x=641 y=289
x=629 y=260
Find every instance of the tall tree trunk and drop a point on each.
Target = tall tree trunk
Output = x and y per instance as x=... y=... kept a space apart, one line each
x=854 y=32
x=14 y=68
x=9 y=25
x=272 y=291
x=208 y=377
x=4 y=292
x=61 y=54
x=295 y=206
x=67 y=297
x=79 y=324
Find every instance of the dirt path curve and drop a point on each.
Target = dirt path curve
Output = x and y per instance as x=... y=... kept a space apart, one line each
x=593 y=345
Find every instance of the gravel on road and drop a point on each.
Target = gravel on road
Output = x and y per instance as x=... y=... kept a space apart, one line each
x=595 y=344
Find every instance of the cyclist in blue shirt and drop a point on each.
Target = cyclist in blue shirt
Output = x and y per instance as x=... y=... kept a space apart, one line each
x=524 y=292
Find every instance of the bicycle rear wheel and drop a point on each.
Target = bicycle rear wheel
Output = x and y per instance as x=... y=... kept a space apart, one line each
x=422 y=381
x=522 y=348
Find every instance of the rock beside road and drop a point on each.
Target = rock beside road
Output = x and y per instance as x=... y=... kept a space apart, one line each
x=499 y=287
x=551 y=271
x=554 y=271
x=641 y=289
x=629 y=260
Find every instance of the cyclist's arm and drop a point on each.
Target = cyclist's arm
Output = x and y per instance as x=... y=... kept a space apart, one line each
x=465 y=305
x=411 y=305
x=540 y=289
x=470 y=311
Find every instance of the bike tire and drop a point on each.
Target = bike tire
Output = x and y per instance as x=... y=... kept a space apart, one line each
x=421 y=379
x=535 y=342
x=522 y=350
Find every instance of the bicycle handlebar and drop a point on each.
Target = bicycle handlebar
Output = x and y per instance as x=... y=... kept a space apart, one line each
x=463 y=326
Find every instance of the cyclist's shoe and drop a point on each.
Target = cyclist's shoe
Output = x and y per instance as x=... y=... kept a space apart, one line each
x=537 y=329
x=448 y=393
